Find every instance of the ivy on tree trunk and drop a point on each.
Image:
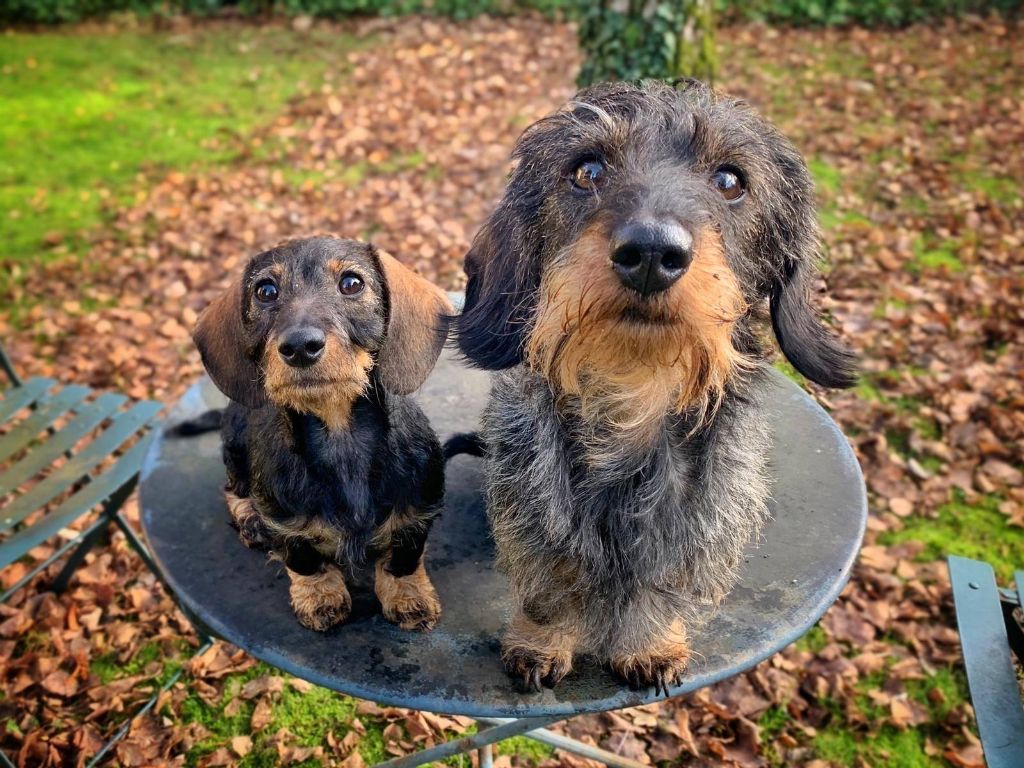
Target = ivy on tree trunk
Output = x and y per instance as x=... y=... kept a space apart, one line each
x=633 y=39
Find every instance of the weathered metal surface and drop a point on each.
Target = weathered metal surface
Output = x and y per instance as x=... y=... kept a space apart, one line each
x=990 y=674
x=787 y=581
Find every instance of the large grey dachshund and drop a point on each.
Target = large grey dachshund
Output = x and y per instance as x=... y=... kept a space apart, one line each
x=616 y=290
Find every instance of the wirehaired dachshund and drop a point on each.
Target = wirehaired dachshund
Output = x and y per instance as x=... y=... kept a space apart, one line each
x=329 y=465
x=615 y=291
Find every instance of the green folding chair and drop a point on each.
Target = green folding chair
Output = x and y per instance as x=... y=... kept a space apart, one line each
x=99 y=426
x=107 y=422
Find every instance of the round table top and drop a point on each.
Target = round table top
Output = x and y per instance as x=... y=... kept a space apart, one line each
x=788 y=579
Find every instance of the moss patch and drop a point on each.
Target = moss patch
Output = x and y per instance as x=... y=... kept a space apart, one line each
x=977 y=530
x=525 y=748
x=889 y=747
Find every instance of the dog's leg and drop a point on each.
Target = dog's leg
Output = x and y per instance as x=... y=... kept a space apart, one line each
x=318 y=593
x=537 y=654
x=247 y=521
x=655 y=660
x=405 y=591
x=321 y=600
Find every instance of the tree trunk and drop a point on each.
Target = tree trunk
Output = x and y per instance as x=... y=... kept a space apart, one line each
x=695 y=47
x=633 y=39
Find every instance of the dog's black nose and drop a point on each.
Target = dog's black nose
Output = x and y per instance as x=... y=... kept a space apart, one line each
x=301 y=347
x=649 y=256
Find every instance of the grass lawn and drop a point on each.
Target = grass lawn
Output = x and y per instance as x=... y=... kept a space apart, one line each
x=87 y=118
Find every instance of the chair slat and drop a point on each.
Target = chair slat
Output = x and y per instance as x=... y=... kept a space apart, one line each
x=48 y=411
x=990 y=673
x=17 y=398
x=96 y=492
x=86 y=420
x=124 y=426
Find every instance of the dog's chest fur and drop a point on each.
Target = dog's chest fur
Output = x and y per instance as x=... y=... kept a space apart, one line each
x=579 y=504
x=336 y=488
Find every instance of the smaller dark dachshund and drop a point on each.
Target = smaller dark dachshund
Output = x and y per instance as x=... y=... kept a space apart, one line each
x=328 y=465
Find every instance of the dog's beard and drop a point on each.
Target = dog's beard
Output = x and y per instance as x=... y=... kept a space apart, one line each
x=326 y=389
x=631 y=362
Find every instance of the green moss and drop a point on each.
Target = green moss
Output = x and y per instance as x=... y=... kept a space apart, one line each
x=311 y=715
x=951 y=682
x=996 y=188
x=933 y=258
x=814 y=641
x=889 y=747
x=88 y=115
x=773 y=721
x=525 y=748
x=978 y=531
x=827 y=178
x=108 y=667
x=371 y=746
x=783 y=365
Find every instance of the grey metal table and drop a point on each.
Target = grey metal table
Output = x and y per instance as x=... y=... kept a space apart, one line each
x=788 y=580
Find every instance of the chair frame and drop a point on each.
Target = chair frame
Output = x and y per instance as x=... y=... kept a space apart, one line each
x=109 y=491
x=989 y=630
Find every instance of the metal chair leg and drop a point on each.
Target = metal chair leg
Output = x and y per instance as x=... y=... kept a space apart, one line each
x=986 y=650
x=121 y=732
x=8 y=367
x=90 y=540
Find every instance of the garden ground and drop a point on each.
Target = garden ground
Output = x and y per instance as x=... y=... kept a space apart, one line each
x=138 y=169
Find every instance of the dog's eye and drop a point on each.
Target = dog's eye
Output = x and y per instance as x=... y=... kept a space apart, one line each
x=730 y=183
x=350 y=284
x=589 y=175
x=266 y=291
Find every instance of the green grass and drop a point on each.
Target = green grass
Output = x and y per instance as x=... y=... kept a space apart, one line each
x=977 y=530
x=89 y=118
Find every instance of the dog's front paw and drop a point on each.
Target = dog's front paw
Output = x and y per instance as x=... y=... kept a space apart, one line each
x=320 y=601
x=410 y=601
x=660 y=671
x=531 y=670
x=252 y=531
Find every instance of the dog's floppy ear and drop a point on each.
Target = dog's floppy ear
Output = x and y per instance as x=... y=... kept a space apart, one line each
x=501 y=291
x=418 y=316
x=220 y=336
x=805 y=342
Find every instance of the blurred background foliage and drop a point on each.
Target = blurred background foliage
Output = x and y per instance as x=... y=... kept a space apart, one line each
x=794 y=12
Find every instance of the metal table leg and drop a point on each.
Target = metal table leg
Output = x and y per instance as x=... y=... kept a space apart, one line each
x=466 y=744
x=557 y=740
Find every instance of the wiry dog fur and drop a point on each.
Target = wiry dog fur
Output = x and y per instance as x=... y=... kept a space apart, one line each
x=625 y=461
x=329 y=464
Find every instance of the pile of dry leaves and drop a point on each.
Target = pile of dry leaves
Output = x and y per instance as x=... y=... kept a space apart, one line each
x=914 y=134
